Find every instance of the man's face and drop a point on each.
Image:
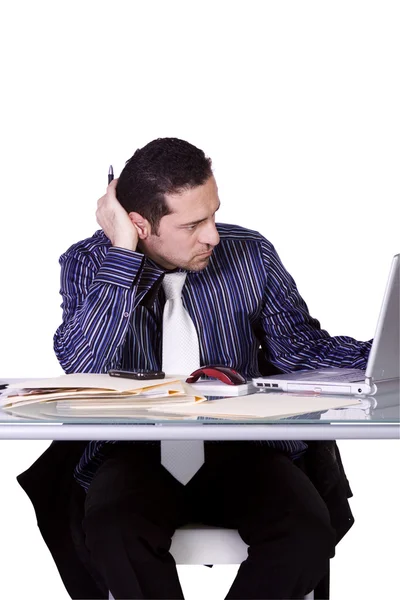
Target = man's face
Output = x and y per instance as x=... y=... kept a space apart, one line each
x=187 y=236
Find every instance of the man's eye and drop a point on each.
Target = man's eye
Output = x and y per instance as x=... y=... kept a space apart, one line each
x=191 y=227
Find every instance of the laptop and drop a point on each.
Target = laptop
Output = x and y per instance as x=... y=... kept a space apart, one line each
x=383 y=362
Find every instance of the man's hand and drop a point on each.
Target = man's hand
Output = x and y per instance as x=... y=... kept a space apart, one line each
x=114 y=220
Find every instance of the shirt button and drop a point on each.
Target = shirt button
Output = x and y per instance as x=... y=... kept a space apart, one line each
x=126 y=314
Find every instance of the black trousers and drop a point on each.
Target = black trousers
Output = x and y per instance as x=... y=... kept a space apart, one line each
x=134 y=505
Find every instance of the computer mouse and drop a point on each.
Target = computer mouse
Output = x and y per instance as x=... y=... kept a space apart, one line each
x=224 y=374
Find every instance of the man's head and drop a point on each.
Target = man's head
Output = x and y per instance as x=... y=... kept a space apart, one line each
x=170 y=194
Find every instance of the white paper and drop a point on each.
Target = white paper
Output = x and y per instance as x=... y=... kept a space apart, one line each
x=263 y=405
x=126 y=403
x=268 y=405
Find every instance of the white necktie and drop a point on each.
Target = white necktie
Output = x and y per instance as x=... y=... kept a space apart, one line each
x=180 y=356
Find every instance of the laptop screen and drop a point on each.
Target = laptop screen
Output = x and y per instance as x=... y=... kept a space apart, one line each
x=384 y=358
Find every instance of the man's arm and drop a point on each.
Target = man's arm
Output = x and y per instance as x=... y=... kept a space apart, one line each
x=97 y=307
x=292 y=339
x=100 y=290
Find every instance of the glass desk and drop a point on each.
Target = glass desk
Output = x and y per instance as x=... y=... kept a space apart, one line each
x=376 y=417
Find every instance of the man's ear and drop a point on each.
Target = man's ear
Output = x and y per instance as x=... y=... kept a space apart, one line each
x=141 y=225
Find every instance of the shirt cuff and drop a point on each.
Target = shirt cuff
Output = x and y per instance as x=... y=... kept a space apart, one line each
x=120 y=267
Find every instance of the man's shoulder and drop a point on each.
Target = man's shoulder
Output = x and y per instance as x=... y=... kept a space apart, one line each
x=89 y=249
x=241 y=235
x=236 y=232
x=245 y=243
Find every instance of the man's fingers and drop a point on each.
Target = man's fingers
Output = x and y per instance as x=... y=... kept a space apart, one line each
x=112 y=185
x=110 y=189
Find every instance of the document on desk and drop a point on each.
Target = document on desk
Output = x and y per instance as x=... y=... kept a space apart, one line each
x=262 y=405
x=99 y=391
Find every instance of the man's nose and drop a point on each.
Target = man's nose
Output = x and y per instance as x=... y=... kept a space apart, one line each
x=210 y=235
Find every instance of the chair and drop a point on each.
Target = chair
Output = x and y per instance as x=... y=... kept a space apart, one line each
x=198 y=544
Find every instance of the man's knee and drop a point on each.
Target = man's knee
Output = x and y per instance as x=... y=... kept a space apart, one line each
x=118 y=528
x=302 y=535
x=312 y=538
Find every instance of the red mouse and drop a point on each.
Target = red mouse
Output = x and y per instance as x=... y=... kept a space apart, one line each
x=224 y=374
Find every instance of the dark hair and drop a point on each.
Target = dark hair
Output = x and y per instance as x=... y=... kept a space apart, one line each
x=164 y=166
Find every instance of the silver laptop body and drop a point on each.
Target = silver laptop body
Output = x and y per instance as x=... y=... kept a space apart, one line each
x=383 y=361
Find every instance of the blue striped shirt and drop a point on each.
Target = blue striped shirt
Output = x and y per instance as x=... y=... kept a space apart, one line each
x=112 y=316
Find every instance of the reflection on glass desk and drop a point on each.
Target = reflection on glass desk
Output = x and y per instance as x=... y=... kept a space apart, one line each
x=375 y=416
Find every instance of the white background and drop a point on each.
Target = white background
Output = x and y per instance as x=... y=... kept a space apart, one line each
x=297 y=103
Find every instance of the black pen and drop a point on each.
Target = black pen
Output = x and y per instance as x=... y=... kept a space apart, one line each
x=110 y=174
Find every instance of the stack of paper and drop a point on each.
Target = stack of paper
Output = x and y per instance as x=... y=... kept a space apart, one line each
x=93 y=392
x=261 y=405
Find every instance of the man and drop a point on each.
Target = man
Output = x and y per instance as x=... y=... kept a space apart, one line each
x=240 y=299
